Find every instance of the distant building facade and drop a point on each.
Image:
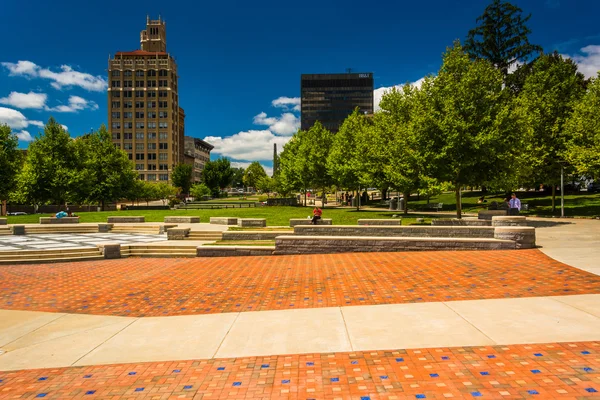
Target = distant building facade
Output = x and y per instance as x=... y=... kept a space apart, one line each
x=144 y=117
x=197 y=154
x=330 y=98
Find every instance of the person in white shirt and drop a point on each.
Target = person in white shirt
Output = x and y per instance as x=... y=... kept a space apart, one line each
x=514 y=204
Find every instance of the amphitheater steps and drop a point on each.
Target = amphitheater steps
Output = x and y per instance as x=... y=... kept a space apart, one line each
x=50 y=256
x=205 y=235
x=137 y=229
x=158 y=251
x=42 y=229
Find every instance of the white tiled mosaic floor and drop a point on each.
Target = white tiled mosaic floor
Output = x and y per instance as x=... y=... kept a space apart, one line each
x=70 y=241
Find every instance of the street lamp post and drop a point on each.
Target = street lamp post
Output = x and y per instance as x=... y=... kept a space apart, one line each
x=562 y=191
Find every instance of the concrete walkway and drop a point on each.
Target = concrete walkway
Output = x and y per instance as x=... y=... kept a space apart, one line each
x=575 y=242
x=43 y=340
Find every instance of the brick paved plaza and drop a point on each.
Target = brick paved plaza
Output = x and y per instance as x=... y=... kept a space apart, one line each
x=159 y=287
x=496 y=324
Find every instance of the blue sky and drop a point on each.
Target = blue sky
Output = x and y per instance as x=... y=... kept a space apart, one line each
x=237 y=58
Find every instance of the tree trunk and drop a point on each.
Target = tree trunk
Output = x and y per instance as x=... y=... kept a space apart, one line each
x=305 y=204
x=357 y=197
x=102 y=205
x=458 y=202
x=553 y=198
x=406 y=195
x=3 y=208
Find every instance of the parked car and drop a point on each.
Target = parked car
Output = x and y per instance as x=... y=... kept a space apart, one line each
x=17 y=213
x=593 y=187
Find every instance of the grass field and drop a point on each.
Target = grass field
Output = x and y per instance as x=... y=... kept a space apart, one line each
x=275 y=216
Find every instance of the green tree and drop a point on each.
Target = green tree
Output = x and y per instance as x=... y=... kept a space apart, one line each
x=501 y=36
x=293 y=173
x=54 y=169
x=345 y=153
x=265 y=184
x=199 y=190
x=182 y=177
x=461 y=123
x=542 y=110
x=108 y=170
x=136 y=191
x=164 y=191
x=10 y=164
x=237 y=179
x=217 y=175
x=253 y=174
x=312 y=156
x=583 y=131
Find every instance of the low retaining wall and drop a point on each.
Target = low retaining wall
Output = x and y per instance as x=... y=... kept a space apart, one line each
x=303 y=221
x=18 y=229
x=253 y=235
x=488 y=214
x=182 y=220
x=104 y=228
x=3 y=221
x=223 y=220
x=125 y=220
x=523 y=236
x=63 y=220
x=395 y=222
x=328 y=244
x=234 y=251
x=110 y=251
x=397 y=231
x=177 y=233
x=252 y=222
x=509 y=221
x=460 y=222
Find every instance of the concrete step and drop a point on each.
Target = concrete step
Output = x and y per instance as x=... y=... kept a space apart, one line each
x=161 y=255
x=5 y=253
x=51 y=260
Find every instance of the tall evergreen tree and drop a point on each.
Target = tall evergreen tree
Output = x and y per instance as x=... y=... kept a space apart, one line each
x=10 y=162
x=501 y=36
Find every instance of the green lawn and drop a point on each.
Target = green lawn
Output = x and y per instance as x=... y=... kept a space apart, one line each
x=276 y=216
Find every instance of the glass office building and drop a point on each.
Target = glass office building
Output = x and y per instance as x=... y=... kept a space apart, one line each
x=330 y=98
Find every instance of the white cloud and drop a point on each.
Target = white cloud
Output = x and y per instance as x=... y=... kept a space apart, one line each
x=238 y=164
x=378 y=93
x=66 y=128
x=25 y=100
x=588 y=63
x=250 y=145
x=65 y=78
x=287 y=124
x=76 y=103
x=287 y=103
x=24 y=136
x=15 y=119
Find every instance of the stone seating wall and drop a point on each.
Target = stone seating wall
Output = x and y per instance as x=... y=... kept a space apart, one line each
x=63 y=220
x=394 y=222
x=234 y=251
x=182 y=220
x=125 y=220
x=251 y=222
x=252 y=235
x=349 y=244
x=397 y=231
x=488 y=214
x=3 y=221
x=224 y=220
x=460 y=222
x=306 y=221
x=509 y=221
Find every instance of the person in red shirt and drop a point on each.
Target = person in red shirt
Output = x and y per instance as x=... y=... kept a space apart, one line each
x=317 y=212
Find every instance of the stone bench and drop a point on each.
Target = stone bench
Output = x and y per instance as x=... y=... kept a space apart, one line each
x=510 y=220
x=177 y=233
x=252 y=222
x=182 y=220
x=104 y=228
x=223 y=220
x=253 y=235
x=460 y=222
x=523 y=236
x=125 y=220
x=306 y=221
x=488 y=214
x=397 y=231
x=396 y=221
x=110 y=251
x=353 y=244
x=3 y=221
x=234 y=251
x=63 y=220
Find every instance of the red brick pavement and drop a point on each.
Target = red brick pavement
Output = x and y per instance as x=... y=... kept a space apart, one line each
x=544 y=371
x=158 y=287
